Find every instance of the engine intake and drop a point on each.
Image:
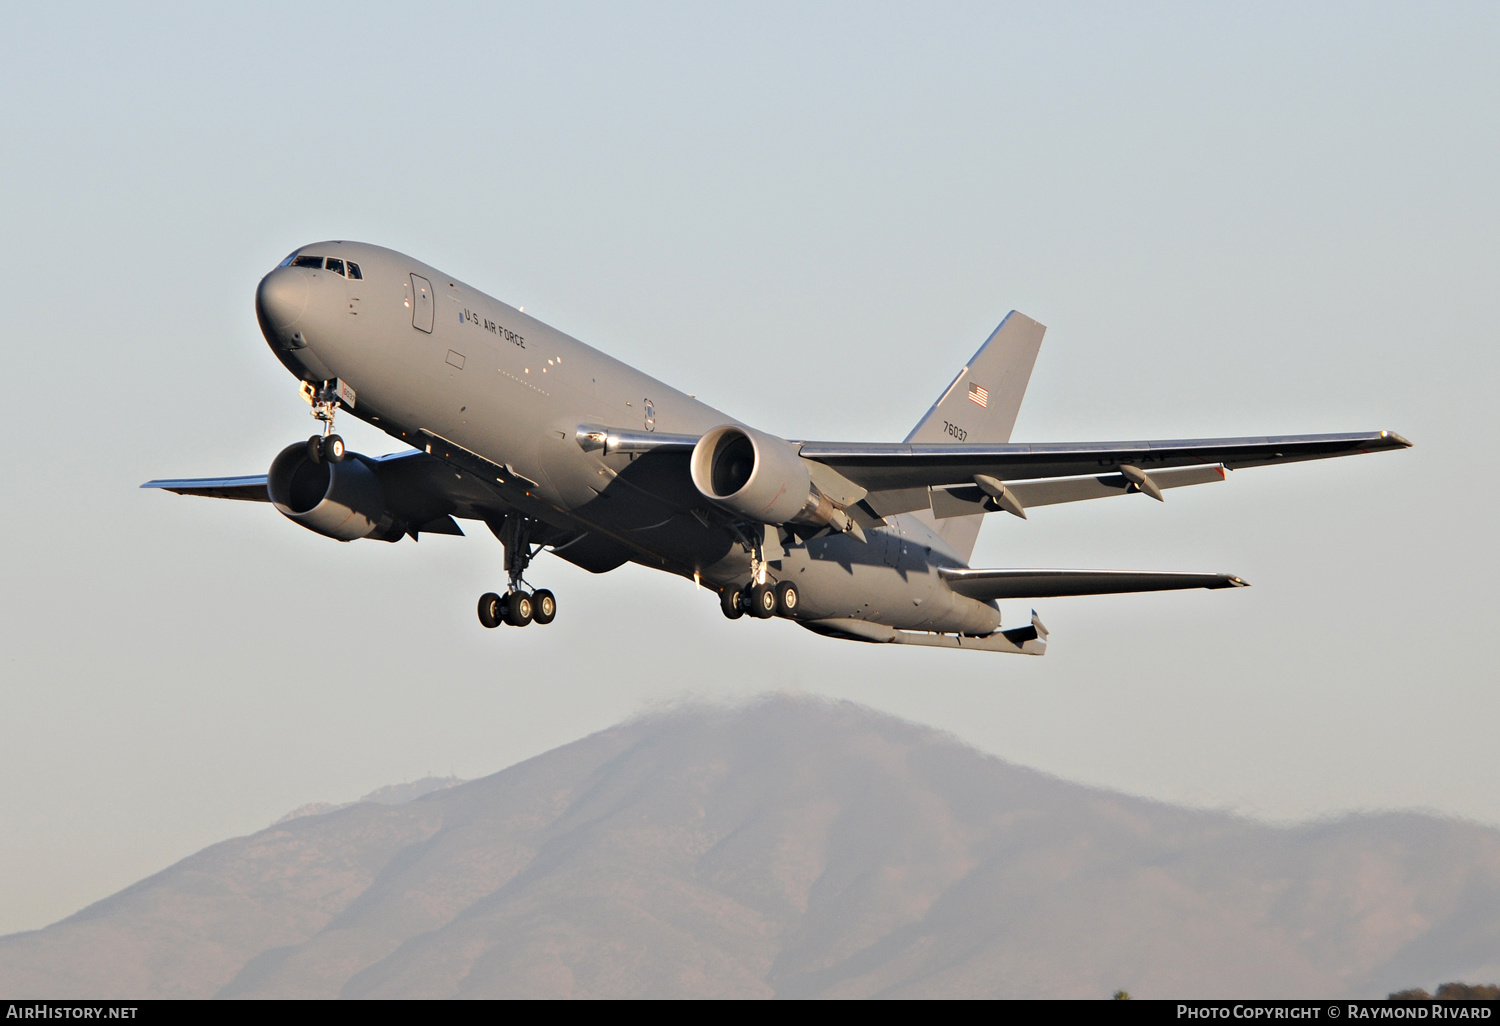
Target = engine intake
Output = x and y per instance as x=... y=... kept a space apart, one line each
x=338 y=500
x=762 y=478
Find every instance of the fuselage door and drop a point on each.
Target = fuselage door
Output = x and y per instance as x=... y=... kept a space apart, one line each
x=421 y=308
x=895 y=542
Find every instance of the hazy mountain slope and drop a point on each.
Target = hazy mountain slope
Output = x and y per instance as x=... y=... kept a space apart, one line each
x=788 y=848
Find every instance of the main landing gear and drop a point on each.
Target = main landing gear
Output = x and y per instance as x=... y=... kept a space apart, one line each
x=517 y=607
x=760 y=598
x=762 y=601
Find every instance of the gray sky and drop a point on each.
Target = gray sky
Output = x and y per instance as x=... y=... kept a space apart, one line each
x=1234 y=220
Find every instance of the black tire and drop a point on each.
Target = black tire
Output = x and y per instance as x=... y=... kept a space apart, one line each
x=315 y=448
x=333 y=449
x=491 y=609
x=518 y=609
x=543 y=607
x=731 y=601
x=787 y=598
x=762 y=601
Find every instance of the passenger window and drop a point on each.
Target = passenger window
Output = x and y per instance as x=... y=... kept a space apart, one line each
x=336 y=266
x=308 y=261
x=354 y=271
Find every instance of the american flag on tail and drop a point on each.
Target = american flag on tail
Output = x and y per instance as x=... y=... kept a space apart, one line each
x=979 y=394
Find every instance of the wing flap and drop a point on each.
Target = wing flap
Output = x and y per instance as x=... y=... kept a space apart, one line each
x=988 y=585
x=1048 y=492
x=961 y=500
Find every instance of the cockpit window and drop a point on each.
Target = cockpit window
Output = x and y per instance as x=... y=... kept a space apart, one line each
x=289 y=258
x=348 y=269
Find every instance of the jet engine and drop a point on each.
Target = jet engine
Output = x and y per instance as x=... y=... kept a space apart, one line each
x=338 y=500
x=762 y=478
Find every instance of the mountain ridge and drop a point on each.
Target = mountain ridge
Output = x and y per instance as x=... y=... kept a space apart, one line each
x=789 y=847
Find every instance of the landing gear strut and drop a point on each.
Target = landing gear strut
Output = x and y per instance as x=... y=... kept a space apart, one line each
x=324 y=400
x=517 y=607
x=761 y=598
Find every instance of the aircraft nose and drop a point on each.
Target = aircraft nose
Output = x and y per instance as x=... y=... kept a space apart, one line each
x=281 y=298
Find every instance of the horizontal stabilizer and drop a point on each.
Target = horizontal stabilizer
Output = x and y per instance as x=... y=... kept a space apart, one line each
x=1028 y=640
x=988 y=585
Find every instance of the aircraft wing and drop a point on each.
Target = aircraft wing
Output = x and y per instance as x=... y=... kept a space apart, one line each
x=252 y=487
x=898 y=476
x=249 y=489
x=423 y=490
x=986 y=585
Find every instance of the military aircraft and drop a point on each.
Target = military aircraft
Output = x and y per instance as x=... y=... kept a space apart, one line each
x=556 y=446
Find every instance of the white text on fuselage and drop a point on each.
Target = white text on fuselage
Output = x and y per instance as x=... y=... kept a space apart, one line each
x=494 y=329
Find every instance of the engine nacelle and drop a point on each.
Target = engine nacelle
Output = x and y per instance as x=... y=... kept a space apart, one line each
x=760 y=477
x=338 y=500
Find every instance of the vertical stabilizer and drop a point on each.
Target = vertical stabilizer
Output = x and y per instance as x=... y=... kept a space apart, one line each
x=980 y=406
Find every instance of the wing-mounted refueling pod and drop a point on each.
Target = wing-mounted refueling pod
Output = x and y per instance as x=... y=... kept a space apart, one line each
x=762 y=478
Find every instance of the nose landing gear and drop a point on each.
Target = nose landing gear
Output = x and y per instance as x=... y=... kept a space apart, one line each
x=326 y=447
x=325 y=400
x=517 y=607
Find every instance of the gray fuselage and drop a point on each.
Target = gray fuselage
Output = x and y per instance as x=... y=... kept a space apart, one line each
x=507 y=387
